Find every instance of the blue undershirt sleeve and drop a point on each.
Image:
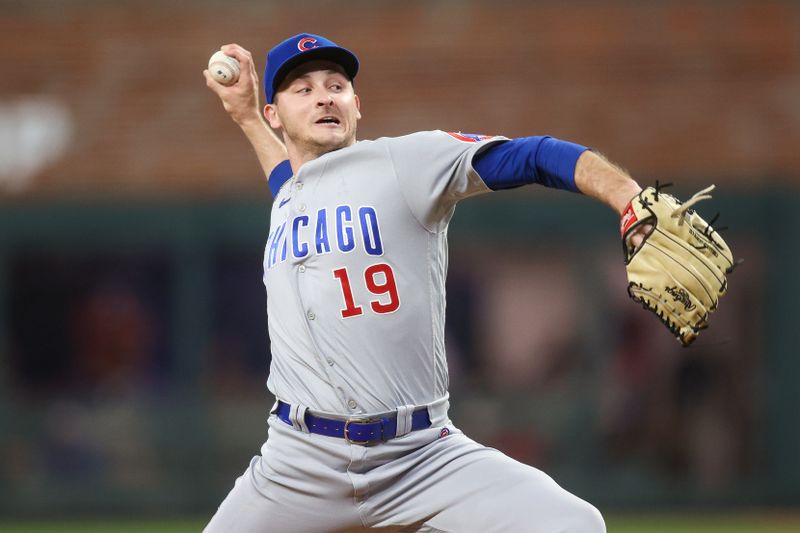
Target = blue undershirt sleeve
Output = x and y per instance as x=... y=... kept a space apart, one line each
x=542 y=159
x=279 y=175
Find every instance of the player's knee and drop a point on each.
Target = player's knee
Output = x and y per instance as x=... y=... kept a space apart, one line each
x=584 y=518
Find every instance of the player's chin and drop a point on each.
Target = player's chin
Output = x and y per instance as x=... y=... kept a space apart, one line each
x=334 y=138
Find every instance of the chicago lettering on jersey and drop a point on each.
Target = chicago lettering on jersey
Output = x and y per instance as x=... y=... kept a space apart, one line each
x=340 y=229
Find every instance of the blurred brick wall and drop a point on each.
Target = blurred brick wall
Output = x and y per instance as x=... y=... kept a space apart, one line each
x=685 y=89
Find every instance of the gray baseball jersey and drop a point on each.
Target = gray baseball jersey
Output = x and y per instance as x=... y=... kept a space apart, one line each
x=355 y=267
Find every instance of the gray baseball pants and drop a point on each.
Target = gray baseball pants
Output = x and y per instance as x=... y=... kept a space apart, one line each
x=425 y=481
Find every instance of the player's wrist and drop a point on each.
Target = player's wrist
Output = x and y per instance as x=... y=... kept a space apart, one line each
x=624 y=196
x=251 y=123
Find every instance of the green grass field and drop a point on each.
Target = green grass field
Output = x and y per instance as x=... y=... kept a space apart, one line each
x=657 y=523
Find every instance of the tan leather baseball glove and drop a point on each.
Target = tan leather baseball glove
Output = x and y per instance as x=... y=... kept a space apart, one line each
x=679 y=269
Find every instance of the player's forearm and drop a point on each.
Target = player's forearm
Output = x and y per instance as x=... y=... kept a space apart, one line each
x=597 y=177
x=269 y=148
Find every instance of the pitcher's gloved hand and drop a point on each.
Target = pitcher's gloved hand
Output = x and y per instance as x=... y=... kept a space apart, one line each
x=677 y=264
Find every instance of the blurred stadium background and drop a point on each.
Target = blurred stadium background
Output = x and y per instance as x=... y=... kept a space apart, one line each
x=133 y=344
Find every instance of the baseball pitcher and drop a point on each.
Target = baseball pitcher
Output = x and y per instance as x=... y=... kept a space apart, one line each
x=354 y=267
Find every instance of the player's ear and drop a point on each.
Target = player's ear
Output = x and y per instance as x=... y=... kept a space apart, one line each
x=358 y=106
x=271 y=114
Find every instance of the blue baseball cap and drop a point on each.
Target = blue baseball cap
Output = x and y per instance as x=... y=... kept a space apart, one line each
x=299 y=49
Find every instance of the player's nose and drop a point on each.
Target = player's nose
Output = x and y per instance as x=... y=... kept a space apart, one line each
x=325 y=100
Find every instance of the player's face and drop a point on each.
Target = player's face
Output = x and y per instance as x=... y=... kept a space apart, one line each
x=316 y=108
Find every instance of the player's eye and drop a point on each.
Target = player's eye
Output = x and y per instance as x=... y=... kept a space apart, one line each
x=336 y=87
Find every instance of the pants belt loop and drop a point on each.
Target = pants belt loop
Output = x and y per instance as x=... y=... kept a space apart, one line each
x=438 y=411
x=297 y=414
x=404 y=413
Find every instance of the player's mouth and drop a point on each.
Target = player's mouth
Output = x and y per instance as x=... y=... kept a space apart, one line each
x=328 y=120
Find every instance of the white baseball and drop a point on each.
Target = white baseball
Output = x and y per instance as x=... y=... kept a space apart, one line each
x=223 y=68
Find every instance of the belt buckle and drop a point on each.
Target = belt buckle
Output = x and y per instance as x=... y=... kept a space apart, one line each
x=361 y=421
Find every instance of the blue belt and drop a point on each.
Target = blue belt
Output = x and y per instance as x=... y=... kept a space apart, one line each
x=357 y=431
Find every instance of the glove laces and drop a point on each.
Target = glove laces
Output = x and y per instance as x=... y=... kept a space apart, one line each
x=696 y=197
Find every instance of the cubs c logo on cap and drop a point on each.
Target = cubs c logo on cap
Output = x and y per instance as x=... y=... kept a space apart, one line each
x=303 y=44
